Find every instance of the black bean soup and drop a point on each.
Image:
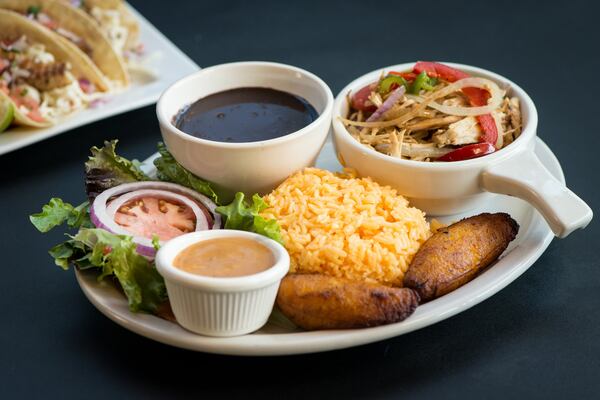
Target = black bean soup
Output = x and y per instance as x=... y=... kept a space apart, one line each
x=248 y=114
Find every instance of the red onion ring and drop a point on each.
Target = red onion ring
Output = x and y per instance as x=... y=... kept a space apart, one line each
x=115 y=205
x=387 y=104
x=102 y=216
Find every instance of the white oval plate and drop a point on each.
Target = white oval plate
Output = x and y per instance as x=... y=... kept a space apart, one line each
x=534 y=237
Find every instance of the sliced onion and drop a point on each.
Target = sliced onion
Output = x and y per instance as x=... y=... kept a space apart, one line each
x=482 y=83
x=201 y=219
x=493 y=103
x=426 y=150
x=387 y=104
x=419 y=150
x=103 y=214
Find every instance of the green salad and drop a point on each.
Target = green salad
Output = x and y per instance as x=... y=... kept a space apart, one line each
x=128 y=214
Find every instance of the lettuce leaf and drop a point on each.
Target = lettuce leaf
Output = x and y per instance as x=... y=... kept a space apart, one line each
x=245 y=216
x=168 y=169
x=70 y=252
x=106 y=169
x=115 y=256
x=57 y=212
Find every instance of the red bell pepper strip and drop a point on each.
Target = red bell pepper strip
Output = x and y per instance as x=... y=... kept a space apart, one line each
x=360 y=100
x=477 y=97
x=468 y=152
x=490 y=131
x=409 y=76
x=437 y=70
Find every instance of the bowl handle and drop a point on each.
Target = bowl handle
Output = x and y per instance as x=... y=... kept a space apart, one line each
x=524 y=176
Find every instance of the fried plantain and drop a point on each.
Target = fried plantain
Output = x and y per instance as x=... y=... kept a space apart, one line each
x=315 y=301
x=456 y=254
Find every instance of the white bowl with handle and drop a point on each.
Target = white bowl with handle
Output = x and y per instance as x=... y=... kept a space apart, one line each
x=445 y=188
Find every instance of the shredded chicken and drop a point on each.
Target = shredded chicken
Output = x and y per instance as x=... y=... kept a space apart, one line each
x=515 y=115
x=395 y=150
x=376 y=99
x=465 y=131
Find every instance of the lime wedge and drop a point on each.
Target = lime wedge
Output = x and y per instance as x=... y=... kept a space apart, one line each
x=7 y=114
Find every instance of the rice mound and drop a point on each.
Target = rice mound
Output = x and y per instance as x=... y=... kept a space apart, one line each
x=348 y=227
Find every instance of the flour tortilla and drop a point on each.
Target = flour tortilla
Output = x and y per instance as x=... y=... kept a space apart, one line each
x=103 y=58
x=127 y=18
x=15 y=25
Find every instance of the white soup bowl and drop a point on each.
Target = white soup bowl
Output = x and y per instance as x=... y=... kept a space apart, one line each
x=251 y=167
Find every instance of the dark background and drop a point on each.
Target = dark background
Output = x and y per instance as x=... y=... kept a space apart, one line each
x=539 y=337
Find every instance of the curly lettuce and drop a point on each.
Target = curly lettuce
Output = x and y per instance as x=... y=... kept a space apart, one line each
x=245 y=216
x=57 y=212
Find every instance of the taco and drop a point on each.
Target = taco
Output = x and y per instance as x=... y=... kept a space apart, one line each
x=43 y=79
x=78 y=30
x=115 y=20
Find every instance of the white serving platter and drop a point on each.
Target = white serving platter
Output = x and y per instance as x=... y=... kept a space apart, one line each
x=165 y=64
x=533 y=239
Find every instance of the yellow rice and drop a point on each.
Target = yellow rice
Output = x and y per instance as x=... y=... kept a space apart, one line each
x=346 y=227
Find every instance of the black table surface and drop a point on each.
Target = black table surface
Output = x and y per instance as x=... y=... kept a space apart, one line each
x=538 y=338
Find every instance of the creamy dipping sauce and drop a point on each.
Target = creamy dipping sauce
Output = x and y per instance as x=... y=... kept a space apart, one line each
x=247 y=114
x=225 y=257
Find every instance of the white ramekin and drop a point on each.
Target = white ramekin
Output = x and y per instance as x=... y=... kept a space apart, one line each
x=253 y=167
x=454 y=187
x=221 y=306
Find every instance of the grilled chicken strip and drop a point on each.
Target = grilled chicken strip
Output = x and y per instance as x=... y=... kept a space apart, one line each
x=464 y=131
x=315 y=301
x=46 y=76
x=454 y=255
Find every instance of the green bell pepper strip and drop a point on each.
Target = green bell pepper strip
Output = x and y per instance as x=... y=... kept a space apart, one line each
x=423 y=82
x=385 y=86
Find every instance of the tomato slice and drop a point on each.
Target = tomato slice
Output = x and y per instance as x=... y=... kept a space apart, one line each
x=360 y=100
x=32 y=106
x=19 y=96
x=149 y=216
x=36 y=116
x=468 y=152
